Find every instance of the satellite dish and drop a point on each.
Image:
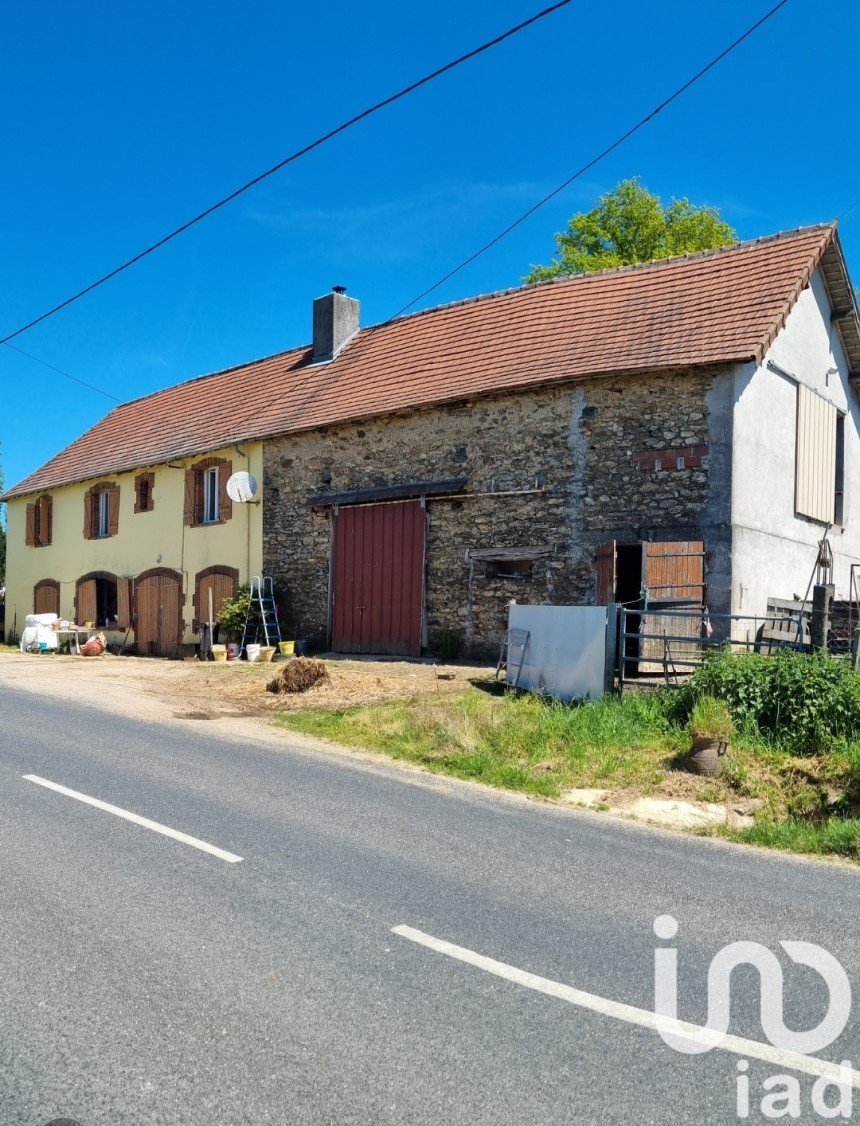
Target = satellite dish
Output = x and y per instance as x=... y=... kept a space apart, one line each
x=241 y=487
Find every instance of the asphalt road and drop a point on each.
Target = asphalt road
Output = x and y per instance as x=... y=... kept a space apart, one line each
x=146 y=981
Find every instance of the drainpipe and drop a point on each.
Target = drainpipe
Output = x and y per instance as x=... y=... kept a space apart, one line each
x=247 y=458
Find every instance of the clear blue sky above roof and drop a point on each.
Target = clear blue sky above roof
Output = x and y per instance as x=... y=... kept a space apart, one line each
x=122 y=121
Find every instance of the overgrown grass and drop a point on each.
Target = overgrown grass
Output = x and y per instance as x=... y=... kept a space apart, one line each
x=806 y=800
x=524 y=743
x=835 y=836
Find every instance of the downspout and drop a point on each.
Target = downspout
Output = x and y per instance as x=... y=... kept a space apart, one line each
x=247 y=458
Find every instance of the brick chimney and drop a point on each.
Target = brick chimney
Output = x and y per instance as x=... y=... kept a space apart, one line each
x=335 y=323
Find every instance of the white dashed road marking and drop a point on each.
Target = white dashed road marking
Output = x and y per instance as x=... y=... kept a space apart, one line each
x=145 y=822
x=737 y=1045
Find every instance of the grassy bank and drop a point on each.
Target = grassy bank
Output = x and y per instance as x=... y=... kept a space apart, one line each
x=806 y=798
x=520 y=743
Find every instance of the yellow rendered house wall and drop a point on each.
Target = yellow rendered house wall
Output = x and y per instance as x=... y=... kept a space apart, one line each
x=144 y=540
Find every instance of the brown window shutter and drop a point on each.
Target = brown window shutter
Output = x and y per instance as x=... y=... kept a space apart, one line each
x=225 y=505
x=190 y=496
x=113 y=510
x=88 y=514
x=46 y=508
x=30 y=534
x=138 y=482
x=123 y=602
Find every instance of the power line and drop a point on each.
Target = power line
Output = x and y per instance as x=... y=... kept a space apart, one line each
x=60 y=371
x=848 y=209
x=411 y=88
x=596 y=160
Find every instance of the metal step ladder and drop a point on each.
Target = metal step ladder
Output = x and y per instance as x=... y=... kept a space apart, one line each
x=262 y=614
x=512 y=652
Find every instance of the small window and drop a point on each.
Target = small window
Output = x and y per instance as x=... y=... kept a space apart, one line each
x=510 y=568
x=144 y=500
x=839 y=489
x=101 y=512
x=211 y=495
x=103 y=518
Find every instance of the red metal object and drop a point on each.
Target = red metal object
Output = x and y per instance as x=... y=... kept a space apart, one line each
x=378 y=579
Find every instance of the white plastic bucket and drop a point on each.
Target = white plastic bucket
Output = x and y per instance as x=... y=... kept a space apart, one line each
x=253 y=652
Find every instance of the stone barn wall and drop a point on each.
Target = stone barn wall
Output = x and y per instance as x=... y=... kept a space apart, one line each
x=561 y=468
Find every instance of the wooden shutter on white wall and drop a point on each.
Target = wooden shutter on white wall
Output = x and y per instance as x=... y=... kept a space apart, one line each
x=815 y=458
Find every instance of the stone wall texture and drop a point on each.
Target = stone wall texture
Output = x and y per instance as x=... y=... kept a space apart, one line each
x=563 y=468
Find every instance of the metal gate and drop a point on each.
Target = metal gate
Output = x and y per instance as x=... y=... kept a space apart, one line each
x=378 y=578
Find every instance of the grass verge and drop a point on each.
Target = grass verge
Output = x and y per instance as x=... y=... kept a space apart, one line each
x=524 y=743
x=629 y=746
x=834 y=836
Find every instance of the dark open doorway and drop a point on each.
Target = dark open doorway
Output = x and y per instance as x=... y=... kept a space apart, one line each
x=106 y=602
x=628 y=591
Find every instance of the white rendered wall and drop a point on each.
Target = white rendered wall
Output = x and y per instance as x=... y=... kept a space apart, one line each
x=773 y=550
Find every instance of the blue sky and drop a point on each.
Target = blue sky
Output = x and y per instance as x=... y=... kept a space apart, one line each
x=121 y=120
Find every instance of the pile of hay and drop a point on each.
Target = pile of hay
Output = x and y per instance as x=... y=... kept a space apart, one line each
x=298 y=675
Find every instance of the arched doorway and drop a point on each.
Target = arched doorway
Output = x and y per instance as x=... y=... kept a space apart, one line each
x=222 y=582
x=158 y=626
x=46 y=597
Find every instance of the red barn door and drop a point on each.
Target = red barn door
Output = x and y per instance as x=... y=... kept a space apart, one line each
x=378 y=579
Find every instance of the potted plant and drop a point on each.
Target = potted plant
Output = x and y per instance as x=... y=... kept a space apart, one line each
x=231 y=620
x=710 y=728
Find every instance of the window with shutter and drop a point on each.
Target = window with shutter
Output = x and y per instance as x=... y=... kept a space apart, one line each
x=30 y=530
x=817 y=468
x=144 y=500
x=44 y=520
x=101 y=511
x=211 y=495
x=113 y=510
x=206 y=498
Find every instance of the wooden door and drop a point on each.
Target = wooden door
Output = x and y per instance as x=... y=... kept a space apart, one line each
x=673 y=573
x=158 y=605
x=222 y=582
x=606 y=572
x=86 y=607
x=378 y=579
x=46 y=597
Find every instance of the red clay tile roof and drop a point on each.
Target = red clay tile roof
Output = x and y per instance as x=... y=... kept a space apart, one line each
x=718 y=307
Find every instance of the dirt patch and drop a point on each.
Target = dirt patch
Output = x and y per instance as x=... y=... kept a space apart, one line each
x=181 y=691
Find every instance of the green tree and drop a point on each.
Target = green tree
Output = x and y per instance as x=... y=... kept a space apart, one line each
x=631 y=225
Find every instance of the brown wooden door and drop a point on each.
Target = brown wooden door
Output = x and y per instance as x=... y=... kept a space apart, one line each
x=674 y=575
x=674 y=572
x=158 y=604
x=46 y=597
x=86 y=608
x=378 y=579
x=606 y=571
x=222 y=583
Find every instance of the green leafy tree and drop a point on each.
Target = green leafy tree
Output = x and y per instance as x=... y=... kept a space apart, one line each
x=631 y=225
